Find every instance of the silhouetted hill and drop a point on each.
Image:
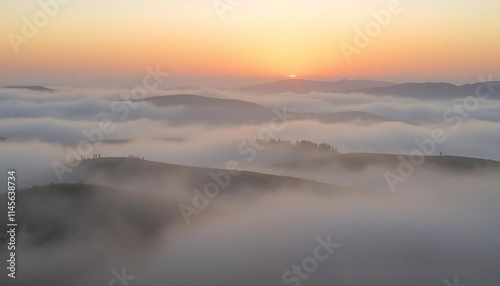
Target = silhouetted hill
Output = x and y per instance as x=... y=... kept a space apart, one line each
x=306 y=86
x=360 y=161
x=30 y=87
x=197 y=100
x=443 y=91
x=228 y=111
x=53 y=213
x=429 y=90
x=344 y=116
x=126 y=141
x=118 y=170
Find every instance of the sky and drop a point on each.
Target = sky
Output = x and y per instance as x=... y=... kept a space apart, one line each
x=76 y=42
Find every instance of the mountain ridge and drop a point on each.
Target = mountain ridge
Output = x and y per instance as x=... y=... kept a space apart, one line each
x=306 y=86
x=424 y=90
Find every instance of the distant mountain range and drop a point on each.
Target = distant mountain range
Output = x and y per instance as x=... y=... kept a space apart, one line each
x=427 y=90
x=306 y=86
x=435 y=90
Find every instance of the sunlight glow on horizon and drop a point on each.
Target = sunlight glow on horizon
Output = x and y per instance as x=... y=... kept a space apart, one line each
x=257 y=38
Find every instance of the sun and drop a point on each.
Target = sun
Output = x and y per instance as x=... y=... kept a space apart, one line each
x=292 y=76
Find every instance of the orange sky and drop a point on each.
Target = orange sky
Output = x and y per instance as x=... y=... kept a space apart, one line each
x=448 y=39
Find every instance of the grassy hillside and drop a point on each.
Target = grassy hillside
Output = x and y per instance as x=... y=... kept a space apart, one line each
x=359 y=161
x=119 y=170
x=48 y=214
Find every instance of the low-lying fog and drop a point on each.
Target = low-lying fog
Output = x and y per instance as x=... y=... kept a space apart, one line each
x=441 y=223
x=439 y=230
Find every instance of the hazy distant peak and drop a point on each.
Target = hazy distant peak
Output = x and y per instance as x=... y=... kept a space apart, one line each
x=306 y=86
x=30 y=87
x=435 y=90
x=198 y=100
